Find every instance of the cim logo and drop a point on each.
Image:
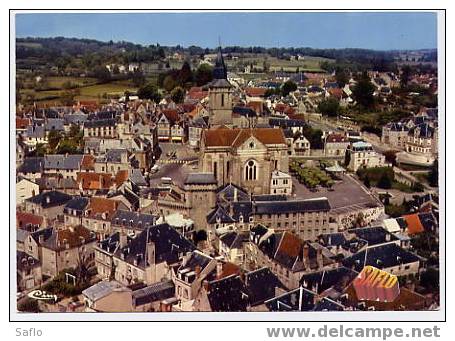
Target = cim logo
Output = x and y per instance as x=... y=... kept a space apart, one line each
x=376 y=285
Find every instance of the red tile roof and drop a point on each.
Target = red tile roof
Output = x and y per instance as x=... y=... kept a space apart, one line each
x=414 y=226
x=235 y=137
x=255 y=92
x=94 y=180
x=336 y=138
x=22 y=123
x=98 y=206
x=88 y=162
x=23 y=219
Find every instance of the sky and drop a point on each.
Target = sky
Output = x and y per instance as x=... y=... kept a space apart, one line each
x=378 y=30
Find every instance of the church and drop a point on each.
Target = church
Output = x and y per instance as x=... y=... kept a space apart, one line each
x=243 y=156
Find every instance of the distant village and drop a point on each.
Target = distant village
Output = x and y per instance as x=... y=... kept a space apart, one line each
x=236 y=198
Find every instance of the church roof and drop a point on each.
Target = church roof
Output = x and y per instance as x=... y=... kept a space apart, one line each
x=235 y=137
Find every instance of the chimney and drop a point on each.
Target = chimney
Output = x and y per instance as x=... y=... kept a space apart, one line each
x=306 y=256
x=235 y=194
x=319 y=258
x=48 y=199
x=122 y=239
x=219 y=269
x=41 y=239
x=206 y=285
x=150 y=252
x=197 y=270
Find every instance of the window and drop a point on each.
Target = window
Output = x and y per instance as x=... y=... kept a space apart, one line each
x=251 y=170
x=222 y=100
x=215 y=170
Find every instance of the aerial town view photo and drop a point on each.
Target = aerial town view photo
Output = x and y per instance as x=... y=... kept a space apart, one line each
x=226 y=162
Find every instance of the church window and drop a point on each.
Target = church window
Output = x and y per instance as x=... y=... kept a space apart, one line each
x=215 y=170
x=222 y=100
x=251 y=170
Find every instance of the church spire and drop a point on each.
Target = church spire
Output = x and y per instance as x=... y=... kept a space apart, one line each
x=220 y=71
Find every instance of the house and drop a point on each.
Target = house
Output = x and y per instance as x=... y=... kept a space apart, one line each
x=362 y=155
x=113 y=161
x=260 y=286
x=28 y=271
x=66 y=166
x=195 y=128
x=108 y=297
x=286 y=255
x=32 y=168
x=195 y=268
x=154 y=296
x=25 y=189
x=149 y=256
x=101 y=128
x=74 y=210
x=67 y=248
x=98 y=214
x=227 y=294
x=231 y=247
x=131 y=223
x=104 y=252
x=335 y=144
x=47 y=204
x=281 y=183
x=35 y=135
x=29 y=222
x=388 y=257
x=395 y=134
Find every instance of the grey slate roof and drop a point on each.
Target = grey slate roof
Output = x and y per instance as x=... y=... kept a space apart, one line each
x=50 y=199
x=227 y=294
x=54 y=124
x=261 y=285
x=35 y=131
x=154 y=292
x=383 y=256
x=338 y=278
x=292 y=206
x=133 y=219
x=299 y=299
x=200 y=179
x=63 y=162
x=77 y=204
x=26 y=262
x=219 y=215
x=169 y=246
x=100 y=123
x=102 y=289
x=31 y=165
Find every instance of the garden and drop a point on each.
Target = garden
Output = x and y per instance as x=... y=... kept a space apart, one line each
x=311 y=177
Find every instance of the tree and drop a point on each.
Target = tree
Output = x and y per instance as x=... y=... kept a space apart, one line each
x=185 y=74
x=199 y=235
x=342 y=77
x=102 y=73
x=138 y=78
x=385 y=181
x=149 y=91
x=67 y=146
x=116 y=70
x=363 y=91
x=178 y=94
x=169 y=83
x=53 y=139
x=406 y=73
x=366 y=182
x=288 y=87
x=204 y=74
x=329 y=107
